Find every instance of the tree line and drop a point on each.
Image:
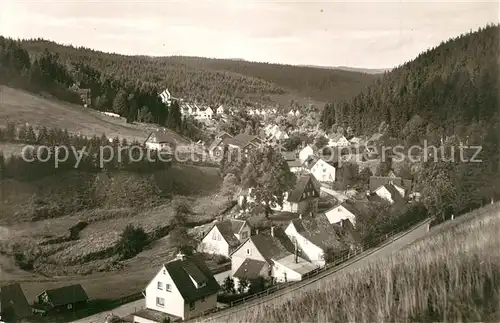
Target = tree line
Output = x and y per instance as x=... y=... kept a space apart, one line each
x=37 y=163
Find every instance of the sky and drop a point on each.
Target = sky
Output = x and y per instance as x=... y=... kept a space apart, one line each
x=370 y=34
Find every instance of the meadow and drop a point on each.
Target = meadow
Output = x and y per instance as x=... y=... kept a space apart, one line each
x=451 y=275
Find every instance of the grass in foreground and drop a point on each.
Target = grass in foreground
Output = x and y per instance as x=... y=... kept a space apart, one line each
x=450 y=276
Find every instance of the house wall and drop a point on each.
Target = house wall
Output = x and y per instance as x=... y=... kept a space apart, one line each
x=240 y=255
x=314 y=253
x=200 y=306
x=217 y=246
x=305 y=153
x=279 y=272
x=339 y=213
x=385 y=194
x=174 y=303
x=323 y=171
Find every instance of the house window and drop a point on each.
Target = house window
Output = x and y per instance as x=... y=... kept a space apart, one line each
x=191 y=306
x=160 y=285
x=160 y=302
x=168 y=287
x=214 y=235
x=249 y=252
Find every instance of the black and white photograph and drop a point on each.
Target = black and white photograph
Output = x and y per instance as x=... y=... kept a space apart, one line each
x=248 y=161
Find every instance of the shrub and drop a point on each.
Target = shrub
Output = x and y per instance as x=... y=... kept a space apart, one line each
x=132 y=241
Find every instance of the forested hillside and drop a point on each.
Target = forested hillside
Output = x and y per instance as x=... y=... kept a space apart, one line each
x=448 y=87
x=449 y=92
x=216 y=81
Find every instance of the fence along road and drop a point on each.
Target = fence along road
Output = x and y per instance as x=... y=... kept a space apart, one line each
x=393 y=244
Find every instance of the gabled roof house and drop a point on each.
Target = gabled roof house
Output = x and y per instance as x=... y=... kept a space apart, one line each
x=183 y=288
x=13 y=304
x=224 y=237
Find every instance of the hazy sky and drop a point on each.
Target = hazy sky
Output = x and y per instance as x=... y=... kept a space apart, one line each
x=369 y=34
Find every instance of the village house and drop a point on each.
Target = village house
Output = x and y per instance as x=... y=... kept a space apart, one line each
x=294 y=164
x=341 y=212
x=159 y=140
x=291 y=113
x=390 y=192
x=61 y=299
x=224 y=237
x=305 y=153
x=183 y=288
x=269 y=256
x=322 y=171
x=303 y=198
x=13 y=304
x=337 y=140
x=315 y=236
x=378 y=181
x=220 y=110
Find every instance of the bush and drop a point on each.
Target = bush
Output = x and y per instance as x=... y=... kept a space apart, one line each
x=132 y=241
x=24 y=260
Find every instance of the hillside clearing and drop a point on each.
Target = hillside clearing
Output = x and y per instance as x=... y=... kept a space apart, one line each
x=21 y=107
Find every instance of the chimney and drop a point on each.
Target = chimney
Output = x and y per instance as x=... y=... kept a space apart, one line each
x=272 y=231
x=180 y=256
x=296 y=252
x=300 y=216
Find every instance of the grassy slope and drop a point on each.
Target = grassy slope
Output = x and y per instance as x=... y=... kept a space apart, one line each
x=20 y=107
x=453 y=274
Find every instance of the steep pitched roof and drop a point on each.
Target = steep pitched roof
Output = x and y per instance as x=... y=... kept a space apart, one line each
x=13 y=302
x=294 y=163
x=180 y=272
x=228 y=229
x=270 y=247
x=296 y=194
x=396 y=196
x=250 y=269
x=161 y=137
x=318 y=230
x=67 y=295
x=377 y=181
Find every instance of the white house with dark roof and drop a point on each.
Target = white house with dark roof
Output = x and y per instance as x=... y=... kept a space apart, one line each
x=272 y=255
x=220 y=110
x=303 y=197
x=224 y=237
x=314 y=235
x=322 y=171
x=159 y=140
x=183 y=288
x=390 y=192
x=340 y=212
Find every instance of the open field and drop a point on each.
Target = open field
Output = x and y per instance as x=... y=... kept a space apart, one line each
x=80 y=261
x=453 y=274
x=20 y=107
